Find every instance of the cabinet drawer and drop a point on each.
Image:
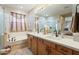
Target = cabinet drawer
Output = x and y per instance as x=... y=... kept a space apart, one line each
x=75 y=52
x=64 y=50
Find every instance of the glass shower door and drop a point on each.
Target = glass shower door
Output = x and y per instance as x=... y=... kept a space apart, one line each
x=1 y=27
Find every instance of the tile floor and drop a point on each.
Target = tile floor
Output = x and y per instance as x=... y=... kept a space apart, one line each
x=23 y=51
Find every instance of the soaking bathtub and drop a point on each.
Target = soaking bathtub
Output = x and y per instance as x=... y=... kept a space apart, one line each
x=17 y=37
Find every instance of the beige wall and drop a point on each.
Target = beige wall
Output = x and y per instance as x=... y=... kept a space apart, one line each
x=62 y=20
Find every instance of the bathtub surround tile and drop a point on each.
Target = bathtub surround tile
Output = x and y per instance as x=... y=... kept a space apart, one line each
x=22 y=51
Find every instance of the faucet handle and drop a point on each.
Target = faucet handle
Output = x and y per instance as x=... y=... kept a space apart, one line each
x=14 y=39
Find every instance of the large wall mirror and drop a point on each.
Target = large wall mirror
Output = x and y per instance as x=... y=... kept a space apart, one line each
x=60 y=15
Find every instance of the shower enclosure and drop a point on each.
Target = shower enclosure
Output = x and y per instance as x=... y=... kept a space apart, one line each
x=1 y=27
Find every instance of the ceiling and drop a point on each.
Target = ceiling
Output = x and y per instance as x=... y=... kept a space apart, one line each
x=48 y=10
x=56 y=9
x=23 y=7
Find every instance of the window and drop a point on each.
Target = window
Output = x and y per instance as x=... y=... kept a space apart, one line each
x=68 y=21
x=17 y=22
x=50 y=21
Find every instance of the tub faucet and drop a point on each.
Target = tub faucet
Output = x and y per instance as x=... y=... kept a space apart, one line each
x=14 y=39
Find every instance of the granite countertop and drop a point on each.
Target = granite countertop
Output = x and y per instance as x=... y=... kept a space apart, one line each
x=67 y=42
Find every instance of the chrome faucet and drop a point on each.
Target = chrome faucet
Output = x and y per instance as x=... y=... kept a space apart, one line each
x=56 y=34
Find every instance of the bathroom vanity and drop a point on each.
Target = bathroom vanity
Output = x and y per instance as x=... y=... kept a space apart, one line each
x=41 y=44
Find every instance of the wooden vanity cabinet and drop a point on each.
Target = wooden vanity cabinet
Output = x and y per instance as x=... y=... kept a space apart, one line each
x=56 y=49
x=41 y=47
x=34 y=45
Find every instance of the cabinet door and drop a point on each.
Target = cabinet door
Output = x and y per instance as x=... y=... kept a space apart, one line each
x=47 y=44
x=41 y=48
x=34 y=45
x=52 y=48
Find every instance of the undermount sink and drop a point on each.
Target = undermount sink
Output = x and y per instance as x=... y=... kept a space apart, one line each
x=57 y=38
x=48 y=36
x=52 y=37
